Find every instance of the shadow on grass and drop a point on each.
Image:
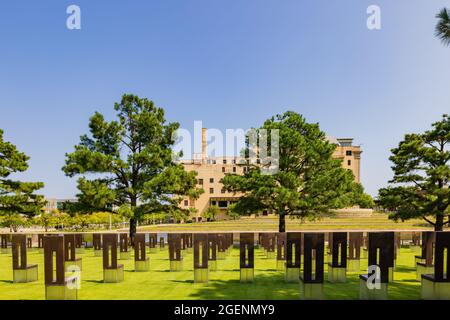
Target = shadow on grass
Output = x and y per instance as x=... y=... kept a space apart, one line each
x=263 y=287
x=94 y=281
x=183 y=281
x=7 y=281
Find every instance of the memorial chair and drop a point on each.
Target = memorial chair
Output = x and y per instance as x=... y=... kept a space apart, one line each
x=212 y=251
x=281 y=251
x=41 y=243
x=30 y=242
x=5 y=240
x=311 y=279
x=355 y=240
x=79 y=246
x=57 y=285
x=293 y=256
x=201 y=258
x=141 y=261
x=189 y=242
x=97 y=244
x=221 y=246
x=424 y=262
x=153 y=242
x=247 y=256
x=374 y=285
x=175 y=256
x=112 y=272
x=125 y=254
x=337 y=265
x=22 y=272
x=436 y=286
x=365 y=246
x=162 y=244
x=70 y=259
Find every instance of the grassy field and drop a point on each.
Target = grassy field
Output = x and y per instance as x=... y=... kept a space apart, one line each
x=160 y=283
x=375 y=221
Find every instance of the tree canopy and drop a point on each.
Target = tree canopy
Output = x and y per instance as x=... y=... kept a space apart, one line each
x=129 y=162
x=309 y=181
x=420 y=186
x=17 y=199
x=443 y=26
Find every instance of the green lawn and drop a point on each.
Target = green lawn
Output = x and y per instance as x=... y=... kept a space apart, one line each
x=160 y=283
x=375 y=221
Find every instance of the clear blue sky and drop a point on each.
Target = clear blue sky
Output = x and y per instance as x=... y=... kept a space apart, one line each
x=231 y=64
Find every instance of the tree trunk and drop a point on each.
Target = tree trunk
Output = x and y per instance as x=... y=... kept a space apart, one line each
x=132 y=230
x=282 y=223
x=439 y=226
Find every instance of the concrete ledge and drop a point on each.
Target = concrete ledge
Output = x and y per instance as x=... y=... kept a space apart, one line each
x=271 y=254
x=201 y=275
x=421 y=269
x=247 y=275
x=432 y=290
x=292 y=275
x=176 y=265
x=311 y=291
x=337 y=274
x=61 y=292
x=142 y=266
x=79 y=250
x=364 y=253
x=113 y=275
x=6 y=251
x=372 y=294
x=419 y=259
x=29 y=274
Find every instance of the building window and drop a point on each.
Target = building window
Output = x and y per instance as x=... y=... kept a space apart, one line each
x=211 y=180
x=223 y=169
x=186 y=203
x=211 y=190
x=349 y=162
x=223 y=204
x=213 y=203
x=222 y=190
x=200 y=182
x=258 y=161
x=234 y=169
x=348 y=153
x=234 y=161
x=224 y=161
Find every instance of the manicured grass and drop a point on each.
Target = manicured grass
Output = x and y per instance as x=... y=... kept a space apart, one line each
x=160 y=283
x=376 y=221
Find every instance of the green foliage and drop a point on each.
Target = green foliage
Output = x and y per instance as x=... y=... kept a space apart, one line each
x=132 y=160
x=211 y=213
x=46 y=219
x=443 y=26
x=309 y=182
x=420 y=186
x=17 y=199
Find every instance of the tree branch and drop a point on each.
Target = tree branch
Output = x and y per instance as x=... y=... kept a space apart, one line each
x=429 y=221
